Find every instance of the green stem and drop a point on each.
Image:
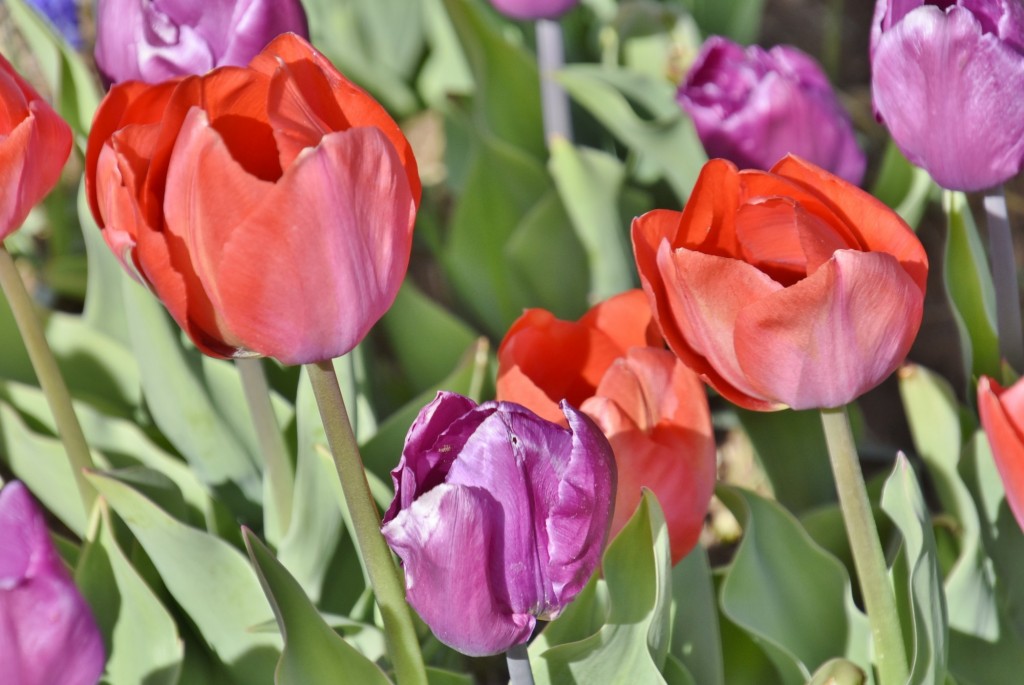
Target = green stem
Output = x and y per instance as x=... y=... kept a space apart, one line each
x=50 y=379
x=1004 y=278
x=385 y=578
x=867 y=549
x=280 y=477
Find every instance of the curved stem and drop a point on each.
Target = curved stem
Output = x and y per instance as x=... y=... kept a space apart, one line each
x=50 y=379
x=1004 y=277
x=553 y=98
x=867 y=549
x=385 y=578
x=519 y=670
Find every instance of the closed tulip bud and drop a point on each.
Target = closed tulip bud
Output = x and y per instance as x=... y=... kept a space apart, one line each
x=154 y=40
x=529 y=10
x=48 y=635
x=754 y=106
x=270 y=207
x=1002 y=417
x=499 y=517
x=34 y=145
x=948 y=81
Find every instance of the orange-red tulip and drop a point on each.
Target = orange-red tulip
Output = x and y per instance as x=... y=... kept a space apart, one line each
x=34 y=144
x=270 y=207
x=783 y=288
x=1002 y=417
x=649 y=405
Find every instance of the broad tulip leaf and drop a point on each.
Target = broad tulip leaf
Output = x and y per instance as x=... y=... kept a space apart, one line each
x=589 y=183
x=445 y=71
x=969 y=284
x=313 y=653
x=211 y=580
x=916 y=577
x=104 y=302
x=696 y=639
x=667 y=142
x=748 y=664
x=799 y=611
x=144 y=644
x=934 y=417
x=633 y=644
x=582 y=618
x=903 y=186
x=437 y=676
x=739 y=19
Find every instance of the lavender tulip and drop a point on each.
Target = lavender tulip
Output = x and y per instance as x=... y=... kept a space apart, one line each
x=499 y=517
x=753 y=107
x=47 y=634
x=534 y=9
x=154 y=40
x=948 y=81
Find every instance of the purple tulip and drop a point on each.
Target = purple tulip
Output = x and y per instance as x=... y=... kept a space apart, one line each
x=753 y=107
x=499 y=516
x=948 y=81
x=47 y=633
x=154 y=40
x=528 y=10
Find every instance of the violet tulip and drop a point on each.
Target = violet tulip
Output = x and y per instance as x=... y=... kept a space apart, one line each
x=154 y=40
x=753 y=106
x=948 y=81
x=48 y=635
x=529 y=10
x=499 y=517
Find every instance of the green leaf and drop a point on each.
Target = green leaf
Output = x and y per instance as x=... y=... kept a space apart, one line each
x=667 y=141
x=104 y=308
x=589 y=183
x=696 y=640
x=969 y=284
x=208 y=578
x=143 y=645
x=737 y=19
x=633 y=644
x=903 y=186
x=313 y=653
x=916 y=578
x=786 y=591
x=445 y=71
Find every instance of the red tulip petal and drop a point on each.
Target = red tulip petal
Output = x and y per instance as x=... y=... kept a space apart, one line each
x=626 y=318
x=705 y=294
x=833 y=336
x=1002 y=413
x=708 y=220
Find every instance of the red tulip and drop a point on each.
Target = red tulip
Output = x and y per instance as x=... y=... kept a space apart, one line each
x=648 y=404
x=789 y=287
x=1002 y=417
x=34 y=144
x=270 y=207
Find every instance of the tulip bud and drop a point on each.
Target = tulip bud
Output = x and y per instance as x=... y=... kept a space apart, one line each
x=154 y=40
x=499 y=517
x=48 y=635
x=948 y=81
x=753 y=107
x=529 y=10
x=34 y=144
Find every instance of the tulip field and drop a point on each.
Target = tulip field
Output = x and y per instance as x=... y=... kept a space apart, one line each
x=556 y=342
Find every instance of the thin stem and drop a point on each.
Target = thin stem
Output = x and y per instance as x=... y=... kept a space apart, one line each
x=50 y=379
x=519 y=671
x=1004 y=275
x=867 y=549
x=278 y=467
x=553 y=99
x=385 y=578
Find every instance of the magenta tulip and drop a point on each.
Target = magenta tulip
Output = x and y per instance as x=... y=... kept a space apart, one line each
x=948 y=81
x=529 y=10
x=48 y=635
x=499 y=517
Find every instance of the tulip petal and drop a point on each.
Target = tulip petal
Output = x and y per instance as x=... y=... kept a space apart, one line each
x=705 y=294
x=449 y=541
x=963 y=83
x=626 y=318
x=1002 y=412
x=833 y=336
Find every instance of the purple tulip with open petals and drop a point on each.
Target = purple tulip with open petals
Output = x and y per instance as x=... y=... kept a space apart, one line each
x=48 y=635
x=754 y=106
x=500 y=518
x=948 y=81
x=155 y=40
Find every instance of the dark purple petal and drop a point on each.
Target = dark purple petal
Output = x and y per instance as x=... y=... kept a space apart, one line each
x=951 y=96
x=445 y=540
x=47 y=632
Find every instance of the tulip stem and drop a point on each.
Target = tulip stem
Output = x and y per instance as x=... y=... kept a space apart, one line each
x=553 y=99
x=276 y=463
x=1004 y=276
x=519 y=671
x=866 y=547
x=50 y=378
x=385 y=577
